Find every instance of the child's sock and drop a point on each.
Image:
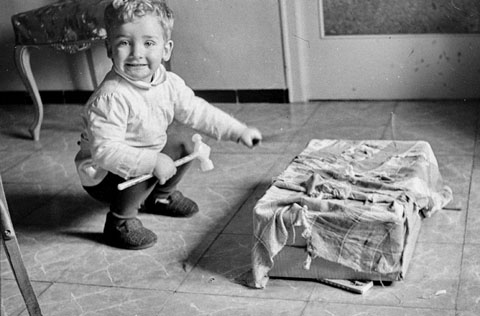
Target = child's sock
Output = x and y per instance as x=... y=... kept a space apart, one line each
x=162 y=201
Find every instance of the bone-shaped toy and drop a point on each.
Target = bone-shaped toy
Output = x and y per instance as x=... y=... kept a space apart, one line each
x=201 y=151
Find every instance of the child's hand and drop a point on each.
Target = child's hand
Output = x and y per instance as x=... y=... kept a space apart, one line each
x=164 y=169
x=250 y=137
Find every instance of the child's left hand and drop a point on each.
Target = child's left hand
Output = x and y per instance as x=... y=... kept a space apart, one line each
x=251 y=137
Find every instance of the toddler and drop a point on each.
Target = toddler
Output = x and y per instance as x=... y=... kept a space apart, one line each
x=125 y=124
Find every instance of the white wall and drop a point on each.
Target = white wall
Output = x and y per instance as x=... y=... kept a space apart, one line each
x=219 y=44
x=228 y=44
x=53 y=70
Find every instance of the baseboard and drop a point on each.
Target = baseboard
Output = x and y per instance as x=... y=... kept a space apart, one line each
x=58 y=97
x=214 y=96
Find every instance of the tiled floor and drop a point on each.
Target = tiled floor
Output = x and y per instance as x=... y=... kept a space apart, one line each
x=192 y=269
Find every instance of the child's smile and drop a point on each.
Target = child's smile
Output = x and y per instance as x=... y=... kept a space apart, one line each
x=136 y=67
x=138 y=48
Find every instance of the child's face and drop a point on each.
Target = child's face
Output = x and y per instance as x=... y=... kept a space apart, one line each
x=138 y=48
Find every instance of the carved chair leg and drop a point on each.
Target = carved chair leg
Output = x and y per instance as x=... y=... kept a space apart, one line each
x=22 y=61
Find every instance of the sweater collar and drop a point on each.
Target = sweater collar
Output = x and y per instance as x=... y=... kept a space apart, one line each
x=158 y=77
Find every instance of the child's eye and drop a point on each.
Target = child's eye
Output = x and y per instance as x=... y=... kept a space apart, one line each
x=149 y=43
x=123 y=43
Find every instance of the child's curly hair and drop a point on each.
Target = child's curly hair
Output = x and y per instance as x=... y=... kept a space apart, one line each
x=122 y=11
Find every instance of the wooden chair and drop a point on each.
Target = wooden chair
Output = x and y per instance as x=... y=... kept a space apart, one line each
x=12 y=250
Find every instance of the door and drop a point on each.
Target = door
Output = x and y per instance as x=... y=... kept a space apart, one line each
x=381 y=49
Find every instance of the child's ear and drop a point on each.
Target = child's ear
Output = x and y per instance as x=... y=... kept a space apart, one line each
x=109 y=49
x=167 y=53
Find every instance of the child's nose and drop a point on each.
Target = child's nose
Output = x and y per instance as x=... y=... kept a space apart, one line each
x=137 y=50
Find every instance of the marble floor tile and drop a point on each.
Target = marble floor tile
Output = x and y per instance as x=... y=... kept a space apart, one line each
x=50 y=205
x=81 y=300
x=320 y=308
x=448 y=113
x=440 y=261
x=163 y=266
x=13 y=114
x=449 y=224
x=469 y=292
x=46 y=254
x=409 y=294
x=242 y=222
x=445 y=226
x=230 y=172
x=465 y=313
x=70 y=209
x=357 y=114
x=270 y=144
x=281 y=163
x=272 y=117
x=187 y=304
x=309 y=132
x=9 y=159
x=61 y=128
x=56 y=115
x=43 y=167
x=66 y=142
x=278 y=124
x=456 y=171
x=60 y=123
x=220 y=271
x=217 y=207
x=12 y=303
x=472 y=235
x=445 y=140
x=433 y=268
x=16 y=139
x=460 y=194
x=477 y=142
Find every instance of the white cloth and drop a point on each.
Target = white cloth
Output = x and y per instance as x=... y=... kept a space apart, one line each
x=356 y=202
x=125 y=122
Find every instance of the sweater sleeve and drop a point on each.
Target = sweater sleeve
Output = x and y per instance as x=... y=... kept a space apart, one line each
x=107 y=119
x=201 y=115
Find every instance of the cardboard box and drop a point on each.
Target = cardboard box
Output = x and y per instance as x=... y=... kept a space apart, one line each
x=290 y=261
x=347 y=210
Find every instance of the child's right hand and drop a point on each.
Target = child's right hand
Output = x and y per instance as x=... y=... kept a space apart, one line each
x=164 y=168
x=250 y=137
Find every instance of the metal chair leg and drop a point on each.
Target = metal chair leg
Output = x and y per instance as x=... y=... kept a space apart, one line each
x=14 y=256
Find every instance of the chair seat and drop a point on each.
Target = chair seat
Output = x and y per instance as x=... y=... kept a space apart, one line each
x=70 y=25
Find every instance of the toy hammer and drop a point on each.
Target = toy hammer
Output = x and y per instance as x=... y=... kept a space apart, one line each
x=201 y=151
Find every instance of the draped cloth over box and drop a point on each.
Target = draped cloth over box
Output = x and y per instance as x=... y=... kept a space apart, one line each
x=351 y=203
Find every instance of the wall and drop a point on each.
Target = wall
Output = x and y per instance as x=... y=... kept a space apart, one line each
x=219 y=45
x=229 y=44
